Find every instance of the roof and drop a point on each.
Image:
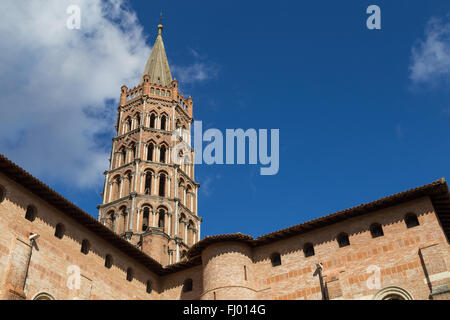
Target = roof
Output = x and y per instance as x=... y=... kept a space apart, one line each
x=437 y=191
x=157 y=67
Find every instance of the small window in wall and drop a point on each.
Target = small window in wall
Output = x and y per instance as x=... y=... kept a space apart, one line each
x=108 y=261
x=275 y=258
x=85 y=246
x=30 y=214
x=2 y=194
x=187 y=286
x=411 y=220
x=59 y=231
x=376 y=230
x=149 y=287
x=343 y=240
x=308 y=250
x=129 y=274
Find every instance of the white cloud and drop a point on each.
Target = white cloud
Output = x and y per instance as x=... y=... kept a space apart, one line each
x=55 y=83
x=431 y=57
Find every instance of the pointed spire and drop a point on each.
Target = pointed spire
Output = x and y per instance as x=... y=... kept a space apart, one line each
x=157 y=67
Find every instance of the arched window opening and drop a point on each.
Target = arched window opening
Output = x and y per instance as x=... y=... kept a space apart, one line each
x=59 y=231
x=133 y=151
x=124 y=155
x=85 y=246
x=308 y=250
x=30 y=214
x=376 y=230
x=162 y=185
x=152 y=120
x=411 y=220
x=129 y=124
x=393 y=293
x=188 y=285
x=150 y=149
x=130 y=179
x=145 y=219
x=149 y=287
x=161 y=218
x=275 y=258
x=43 y=296
x=163 y=122
x=124 y=215
x=163 y=154
x=138 y=120
x=110 y=219
x=129 y=274
x=108 y=261
x=148 y=182
x=343 y=240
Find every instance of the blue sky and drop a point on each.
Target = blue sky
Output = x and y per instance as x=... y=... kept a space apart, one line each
x=362 y=113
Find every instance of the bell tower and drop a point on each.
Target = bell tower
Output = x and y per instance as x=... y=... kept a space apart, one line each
x=150 y=194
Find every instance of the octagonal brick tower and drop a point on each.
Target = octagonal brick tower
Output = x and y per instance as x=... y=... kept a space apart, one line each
x=150 y=194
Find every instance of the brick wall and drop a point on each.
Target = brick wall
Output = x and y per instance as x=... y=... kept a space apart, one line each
x=410 y=262
x=50 y=257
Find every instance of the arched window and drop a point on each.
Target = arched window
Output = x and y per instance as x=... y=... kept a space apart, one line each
x=148 y=182
x=163 y=122
x=162 y=214
x=150 y=149
x=343 y=240
x=308 y=250
x=85 y=246
x=149 y=287
x=189 y=197
x=162 y=185
x=110 y=216
x=108 y=261
x=393 y=293
x=275 y=258
x=59 y=231
x=163 y=154
x=30 y=214
x=129 y=274
x=411 y=220
x=124 y=155
x=2 y=194
x=145 y=219
x=152 y=120
x=138 y=120
x=188 y=285
x=133 y=151
x=376 y=230
x=124 y=216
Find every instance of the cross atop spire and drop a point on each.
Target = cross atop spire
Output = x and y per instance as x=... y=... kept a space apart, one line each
x=157 y=65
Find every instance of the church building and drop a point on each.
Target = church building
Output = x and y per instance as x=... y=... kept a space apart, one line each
x=146 y=243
